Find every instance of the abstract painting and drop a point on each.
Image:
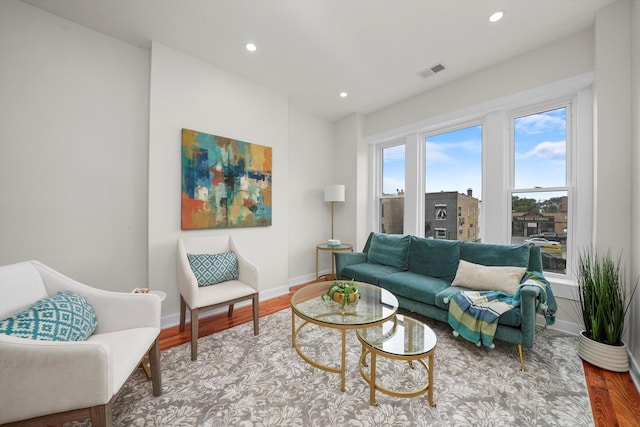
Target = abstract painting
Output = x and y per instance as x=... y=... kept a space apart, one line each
x=226 y=183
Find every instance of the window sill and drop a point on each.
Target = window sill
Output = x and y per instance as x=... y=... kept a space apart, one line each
x=563 y=287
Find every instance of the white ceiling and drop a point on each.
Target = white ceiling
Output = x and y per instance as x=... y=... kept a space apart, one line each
x=313 y=49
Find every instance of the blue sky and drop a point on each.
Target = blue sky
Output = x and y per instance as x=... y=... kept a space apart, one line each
x=454 y=159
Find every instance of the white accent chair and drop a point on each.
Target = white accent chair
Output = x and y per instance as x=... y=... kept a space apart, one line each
x=52 y=382
x=218 y=295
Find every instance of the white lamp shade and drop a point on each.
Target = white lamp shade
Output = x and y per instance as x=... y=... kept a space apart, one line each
x=334 y=193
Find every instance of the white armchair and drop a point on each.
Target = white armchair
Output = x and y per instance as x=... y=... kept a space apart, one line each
x=218 y=295
x=50 y=382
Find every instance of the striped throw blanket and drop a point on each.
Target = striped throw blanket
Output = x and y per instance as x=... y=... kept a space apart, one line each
x=474 y=315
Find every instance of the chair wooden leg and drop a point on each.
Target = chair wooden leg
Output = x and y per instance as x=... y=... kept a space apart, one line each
x=183 y=309
x=194 y=333
x=154 y=363
x=101 y=415
x=521 y=358
x=230 y=310
x=256 y=315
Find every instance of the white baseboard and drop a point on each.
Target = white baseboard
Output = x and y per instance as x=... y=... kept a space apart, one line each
x=560 y=325
x=634 y=371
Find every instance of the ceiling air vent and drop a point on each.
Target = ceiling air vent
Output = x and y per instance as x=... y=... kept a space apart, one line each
x=431 y=70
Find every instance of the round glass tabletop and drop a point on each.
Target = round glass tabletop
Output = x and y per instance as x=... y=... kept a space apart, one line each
x=402 y=336
x=374 y=305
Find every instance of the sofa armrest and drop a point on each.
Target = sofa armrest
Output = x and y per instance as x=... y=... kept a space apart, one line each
x=344 y=259
x=529 y=298
x=44 y=377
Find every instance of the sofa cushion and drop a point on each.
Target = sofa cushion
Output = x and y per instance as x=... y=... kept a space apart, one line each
x=512 y=317
x=389 y=249
x=367 y=272
x=433 y=257
x=210 y=269
x=65 y=316
x=495 y=255
x=484 y=278
x=414 y=286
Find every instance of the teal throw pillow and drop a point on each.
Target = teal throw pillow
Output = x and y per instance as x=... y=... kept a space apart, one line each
x=210 y=269
x=65 y=316
x=389 y=249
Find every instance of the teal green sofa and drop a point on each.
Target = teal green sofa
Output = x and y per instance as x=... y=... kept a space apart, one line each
x=419 y=272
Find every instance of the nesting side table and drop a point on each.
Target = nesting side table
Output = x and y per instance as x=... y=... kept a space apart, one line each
x=402 y=338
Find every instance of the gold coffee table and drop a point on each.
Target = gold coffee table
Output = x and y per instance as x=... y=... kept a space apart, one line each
x=402 y=338
x=375 y=306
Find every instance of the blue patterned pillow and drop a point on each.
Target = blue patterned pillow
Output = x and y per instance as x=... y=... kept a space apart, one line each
x=66 y=316
x=210 y=269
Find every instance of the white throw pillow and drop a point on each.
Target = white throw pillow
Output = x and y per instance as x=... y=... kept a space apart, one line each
x=482 y=278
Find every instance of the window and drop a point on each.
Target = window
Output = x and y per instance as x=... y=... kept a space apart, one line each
x=540 y=198
x=392 y=198
x=523 y=174
x=453 y=177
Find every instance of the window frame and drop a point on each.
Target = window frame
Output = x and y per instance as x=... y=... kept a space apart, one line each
x=495 y=116
x=379 y=195
x=569 y=187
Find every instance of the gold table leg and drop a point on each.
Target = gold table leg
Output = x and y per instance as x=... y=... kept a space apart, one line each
x=372 y=384
x=431 y=357
x=344 y=364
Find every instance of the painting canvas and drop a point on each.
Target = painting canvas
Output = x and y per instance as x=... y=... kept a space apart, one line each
x=226 y=183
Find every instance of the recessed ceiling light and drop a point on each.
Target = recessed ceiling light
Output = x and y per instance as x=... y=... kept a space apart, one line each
x=496 y=16
x=251 y=47
x=343 y=94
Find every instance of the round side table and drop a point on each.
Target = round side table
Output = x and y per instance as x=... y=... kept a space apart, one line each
x=332 y=249
x=402 y=338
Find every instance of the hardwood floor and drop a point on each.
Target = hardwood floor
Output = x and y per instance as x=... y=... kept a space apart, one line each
x=614 y=397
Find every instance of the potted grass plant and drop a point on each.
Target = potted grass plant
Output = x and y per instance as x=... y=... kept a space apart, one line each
x=343 y=292
x=604 y=299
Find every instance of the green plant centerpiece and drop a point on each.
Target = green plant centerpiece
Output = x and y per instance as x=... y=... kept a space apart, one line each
x=343 y=292
x=604 y=299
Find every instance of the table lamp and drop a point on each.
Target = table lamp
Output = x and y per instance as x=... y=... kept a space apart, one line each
x=333 y=193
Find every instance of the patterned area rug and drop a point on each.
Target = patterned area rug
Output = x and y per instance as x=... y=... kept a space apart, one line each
x=243 y=380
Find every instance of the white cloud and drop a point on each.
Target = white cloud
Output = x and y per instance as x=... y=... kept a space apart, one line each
x=394 y=153
x=545 y=150
x=538 y=123
x=438 y=152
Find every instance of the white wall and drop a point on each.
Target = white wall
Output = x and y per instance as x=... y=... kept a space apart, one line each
x=634 y=338
x=311 y=159
x=73 y=149
x=615 y=143
x=351 y=168
x=188 y=93
x=532 y=69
